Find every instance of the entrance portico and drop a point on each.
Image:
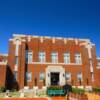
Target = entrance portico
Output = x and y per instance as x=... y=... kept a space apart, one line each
x=55 y=75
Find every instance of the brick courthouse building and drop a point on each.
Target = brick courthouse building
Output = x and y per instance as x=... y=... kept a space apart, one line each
x=44 y=61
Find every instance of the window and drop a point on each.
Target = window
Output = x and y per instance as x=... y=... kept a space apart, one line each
x=41 y=57
x=79 y=76
x=54 y=57
x=68 y=76
x=16 y=60
x=29 y=56
x=15 y=75
x=28 y=76
x=67 y=58
x=78 y=59
x=98 y=63
x=42 y=76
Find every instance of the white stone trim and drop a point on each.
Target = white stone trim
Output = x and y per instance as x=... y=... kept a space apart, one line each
x=18 y=35
x=49 y=37
x=16 y=68
x=41 y=39
x=98 y=58
x=29 y=38
x=76 y=41
x=70 y=38
x=97 y=67
x=55 y=63
x=3 y=54
x=87 y=40
x=10 y=39
x=60 y=38
x=3 y=63
x=65 y=41
x=59 y=69
x=53 y=40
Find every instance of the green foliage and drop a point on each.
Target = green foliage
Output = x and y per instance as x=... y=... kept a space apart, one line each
x=2 y=89
x=78 y=90
x=97 y=90
x=55 y=88
x=13 y=90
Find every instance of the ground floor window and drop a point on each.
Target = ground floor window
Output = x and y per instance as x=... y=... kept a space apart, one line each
x=42 y=76
x=29 y=76
x=68 y=76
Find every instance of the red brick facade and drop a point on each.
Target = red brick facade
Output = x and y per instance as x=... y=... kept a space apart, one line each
x=88 y=67
x=3 y=66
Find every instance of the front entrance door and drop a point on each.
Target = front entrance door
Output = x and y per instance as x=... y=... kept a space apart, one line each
x=54 y=78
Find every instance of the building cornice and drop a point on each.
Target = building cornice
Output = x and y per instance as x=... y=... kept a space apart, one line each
x=49 y=37
x=3 y=54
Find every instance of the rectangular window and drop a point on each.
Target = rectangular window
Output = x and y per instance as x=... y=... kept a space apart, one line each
x=79 y=76
x=67 y=58
x=68 y=76
x=41 y=57
x=15 y=75
x=16 y=60
x=78 y=59
x=29 y=76
x=98 y=64
x=54 y=57
x=29 y=56
x=42 y=76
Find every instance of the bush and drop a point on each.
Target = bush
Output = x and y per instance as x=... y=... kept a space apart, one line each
x=13 y=90
x=97 y=90
x=55 y=88
x=78 y=91
x=2 y=89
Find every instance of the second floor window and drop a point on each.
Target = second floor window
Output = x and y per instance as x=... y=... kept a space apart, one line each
x=41 y=57
x=78 y=59
x=98 y=64
x=54 y=57
x=67 y=58
x=29 y=56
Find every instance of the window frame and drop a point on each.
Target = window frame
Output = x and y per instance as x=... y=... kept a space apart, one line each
x=78 y=58
x=54 y=57
x=66 y=57
x=42 y=56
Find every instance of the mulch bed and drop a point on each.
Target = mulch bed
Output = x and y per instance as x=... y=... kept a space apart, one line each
x=23 y=99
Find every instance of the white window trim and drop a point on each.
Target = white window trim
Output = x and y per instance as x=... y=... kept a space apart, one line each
x=80 y=73
x=69 y=74
x=27 y=76
x=42 y=59
x=54 y=61
x=78 y=59
x=27 y=56
x=66 y=58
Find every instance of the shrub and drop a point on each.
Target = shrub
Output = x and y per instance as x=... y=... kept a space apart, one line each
x=55 y=88
x=78 y=90
x=97 y=90
x=2 y=89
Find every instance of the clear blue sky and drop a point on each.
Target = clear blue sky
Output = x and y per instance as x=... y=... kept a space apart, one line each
x=64 y=18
